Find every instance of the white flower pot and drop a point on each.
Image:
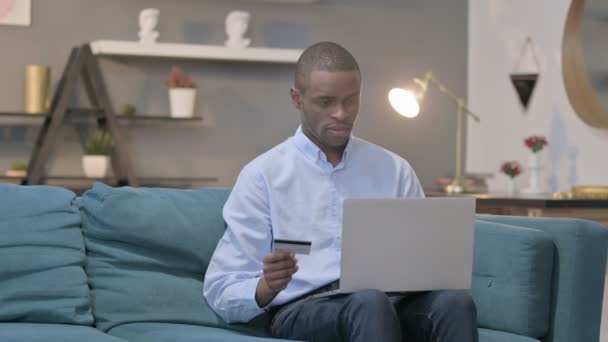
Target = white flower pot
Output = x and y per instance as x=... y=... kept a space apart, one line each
x=95 y=166
x=182 y=102
x=16 y=173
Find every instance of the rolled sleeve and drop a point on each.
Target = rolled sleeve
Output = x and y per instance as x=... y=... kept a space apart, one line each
x=237 y=263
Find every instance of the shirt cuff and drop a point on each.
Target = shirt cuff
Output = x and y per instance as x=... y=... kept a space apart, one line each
x=249 y=288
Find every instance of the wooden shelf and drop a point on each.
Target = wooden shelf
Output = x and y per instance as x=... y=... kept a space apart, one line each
x=82 y=183
x=10 y=179
x=24 y=115
x=81 y=112
x=111 y=179
x=21 y=119
x=143 y=180
x=79 y=184
x=194 y=51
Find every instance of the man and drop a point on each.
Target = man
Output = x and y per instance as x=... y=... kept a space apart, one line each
x=295 y=191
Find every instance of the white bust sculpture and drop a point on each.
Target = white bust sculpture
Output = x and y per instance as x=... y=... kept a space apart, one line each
x=148 y=19
x=236 y=26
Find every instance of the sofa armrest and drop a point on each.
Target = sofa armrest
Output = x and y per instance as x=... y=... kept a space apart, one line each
x=512 y=272
x=579 y=269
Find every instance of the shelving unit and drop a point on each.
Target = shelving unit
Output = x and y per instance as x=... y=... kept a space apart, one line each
x=75 y=113
x=144 y=181
x=82 y=65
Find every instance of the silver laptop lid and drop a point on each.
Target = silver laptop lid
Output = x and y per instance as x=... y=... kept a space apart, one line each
x=416 y=244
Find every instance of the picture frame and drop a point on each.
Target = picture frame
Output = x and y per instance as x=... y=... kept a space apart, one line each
x=15 y=12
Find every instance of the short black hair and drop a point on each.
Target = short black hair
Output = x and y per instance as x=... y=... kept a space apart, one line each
x=323 y=56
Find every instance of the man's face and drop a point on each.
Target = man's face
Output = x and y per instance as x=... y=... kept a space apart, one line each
x=329 y=105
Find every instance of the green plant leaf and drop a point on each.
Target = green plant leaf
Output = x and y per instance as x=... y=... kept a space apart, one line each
x=99 y=142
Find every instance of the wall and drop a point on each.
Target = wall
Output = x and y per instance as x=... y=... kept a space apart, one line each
x=246 y=107
x=497 y=32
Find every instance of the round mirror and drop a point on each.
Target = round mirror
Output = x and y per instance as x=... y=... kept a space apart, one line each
x=585 y=60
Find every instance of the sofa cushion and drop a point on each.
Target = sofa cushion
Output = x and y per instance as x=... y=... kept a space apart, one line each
x=35 y=332
x=41 y=257
x=162 y=332
x=486 y=335
x=579 y=269
x=512 y=273
x=148 y=250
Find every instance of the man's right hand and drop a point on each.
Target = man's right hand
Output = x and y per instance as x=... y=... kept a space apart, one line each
x=279 y=267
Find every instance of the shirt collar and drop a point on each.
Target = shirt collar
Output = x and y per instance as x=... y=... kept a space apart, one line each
x=312 y=151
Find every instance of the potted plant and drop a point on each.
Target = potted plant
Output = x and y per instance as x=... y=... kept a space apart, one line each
x=17 y=169
x=182 y=93
x=128 y=110
x=512 y=169
x=97 y=149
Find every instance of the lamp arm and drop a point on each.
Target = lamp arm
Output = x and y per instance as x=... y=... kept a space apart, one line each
x=445 y=90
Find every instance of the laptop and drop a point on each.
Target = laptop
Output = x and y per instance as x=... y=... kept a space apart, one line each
x=407 y=244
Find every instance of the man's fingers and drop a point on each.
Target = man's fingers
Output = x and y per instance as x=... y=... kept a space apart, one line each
x=278 y=285
x=269 y=269
x=282 y=274
x=278 y=256
x=277 y=266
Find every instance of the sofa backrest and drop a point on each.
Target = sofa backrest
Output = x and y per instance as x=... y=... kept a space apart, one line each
x=512 y=274
x=148 y=250
x=42 y=256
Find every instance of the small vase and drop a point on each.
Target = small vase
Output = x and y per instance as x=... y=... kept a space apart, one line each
x=534 y=169
x=511 y=186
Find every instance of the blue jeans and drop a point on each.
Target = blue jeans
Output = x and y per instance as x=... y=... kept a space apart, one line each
x=371 y=315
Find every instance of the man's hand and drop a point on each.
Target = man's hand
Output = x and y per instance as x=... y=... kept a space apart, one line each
x=279 y=267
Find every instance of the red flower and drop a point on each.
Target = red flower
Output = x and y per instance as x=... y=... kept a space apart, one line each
x=177 y=79
x=511 y=168
x=536 y=142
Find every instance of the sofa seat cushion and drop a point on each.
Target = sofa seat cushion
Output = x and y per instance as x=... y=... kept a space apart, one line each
x=37 y=332
x=162 y=332
x=486 y=335
x=512 y=274
x=42 y=257
x=148 y=250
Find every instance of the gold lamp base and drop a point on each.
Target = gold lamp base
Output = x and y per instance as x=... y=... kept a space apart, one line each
x=455 y=188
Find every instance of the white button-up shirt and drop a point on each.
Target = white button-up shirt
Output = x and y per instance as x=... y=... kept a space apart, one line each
x=292 y=192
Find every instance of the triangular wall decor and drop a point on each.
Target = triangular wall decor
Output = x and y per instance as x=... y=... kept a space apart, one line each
x=524 y=86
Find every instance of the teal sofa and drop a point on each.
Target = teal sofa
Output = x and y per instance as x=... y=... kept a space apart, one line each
x=127 y=264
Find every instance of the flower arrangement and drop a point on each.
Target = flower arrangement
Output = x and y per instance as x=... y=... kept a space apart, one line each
x=536 y=143
x=177 y=79
x=511 y=169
